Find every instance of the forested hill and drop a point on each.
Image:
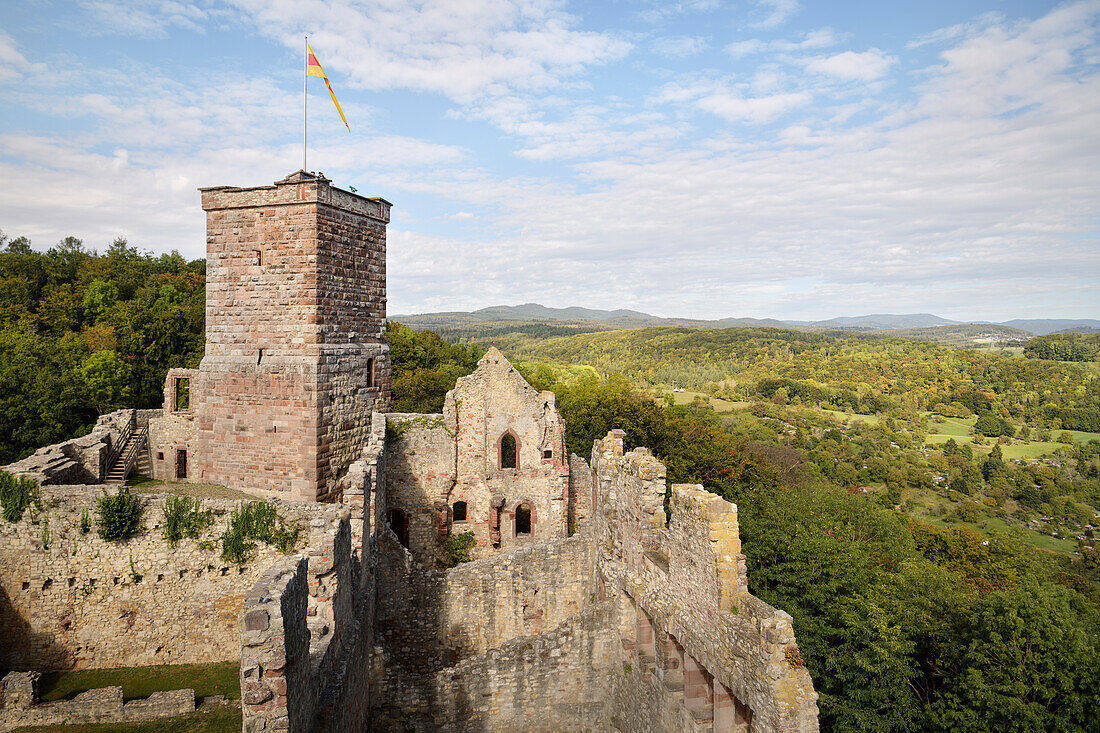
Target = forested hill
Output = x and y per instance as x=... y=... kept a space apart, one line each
x=864 y=374
x=83 y=333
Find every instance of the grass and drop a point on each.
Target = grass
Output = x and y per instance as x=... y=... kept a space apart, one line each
x=851 y=417
x=719 y=405
x=220 y=678
x=1080 y=436
x=988 y=524
x=953 y=426
x=212 y=719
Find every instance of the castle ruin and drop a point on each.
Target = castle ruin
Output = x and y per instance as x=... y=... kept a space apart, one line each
x=585 y=607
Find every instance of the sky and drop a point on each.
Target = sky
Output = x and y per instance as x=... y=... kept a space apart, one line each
x=705 y=159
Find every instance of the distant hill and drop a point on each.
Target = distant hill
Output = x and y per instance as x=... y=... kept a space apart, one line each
x=885 y=321
x=532 y=317
x=539 y=320
x=1044 y=326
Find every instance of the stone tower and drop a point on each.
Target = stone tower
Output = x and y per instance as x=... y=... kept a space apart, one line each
x=296 y=358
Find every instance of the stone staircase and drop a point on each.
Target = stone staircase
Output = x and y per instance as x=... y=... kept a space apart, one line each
x=130 y=448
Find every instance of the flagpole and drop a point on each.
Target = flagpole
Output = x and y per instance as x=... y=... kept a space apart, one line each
x=305 y=76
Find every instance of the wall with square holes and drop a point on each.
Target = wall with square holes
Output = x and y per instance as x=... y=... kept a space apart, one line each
x=69 y=599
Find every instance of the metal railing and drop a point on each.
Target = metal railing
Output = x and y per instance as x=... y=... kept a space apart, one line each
x=133 y=450
x=119 y=444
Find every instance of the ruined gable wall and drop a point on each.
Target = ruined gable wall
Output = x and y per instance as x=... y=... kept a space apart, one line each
x=75 y=602
x=492 y=401
x=700 y=652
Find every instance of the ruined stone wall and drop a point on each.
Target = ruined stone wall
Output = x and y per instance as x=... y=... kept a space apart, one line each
x=305 y=635
x=558 y=680
x=20 y=706
x=79 y=601
x=580 y=491
x=419 y=475
x=433 y=618
x=80 y=460
x=172 y=430
x=699 y=652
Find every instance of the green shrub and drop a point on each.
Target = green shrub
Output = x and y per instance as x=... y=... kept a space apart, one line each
x=185 y=517
x=118 y=516
x=457 y=547
x=16 y=494
x=85 y=521
x=256 y=521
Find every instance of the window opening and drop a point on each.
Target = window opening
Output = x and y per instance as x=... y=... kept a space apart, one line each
x=548 y=454
x=183 y=394
x=181 y=463
x=523 y=519
x=370 y=373
x=259 y=356
x=508 y=451
x=458 y=512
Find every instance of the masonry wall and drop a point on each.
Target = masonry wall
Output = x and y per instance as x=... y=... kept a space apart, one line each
x=434 y=618
x=419 y=476
x=701 y=652
x=558 y=680
x=305 y=638
x=75 y=601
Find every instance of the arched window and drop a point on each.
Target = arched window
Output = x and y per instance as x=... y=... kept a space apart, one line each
x=370 y=373
x=400 y=526
x=508 y=451
x=523 y=519
x=458 y=511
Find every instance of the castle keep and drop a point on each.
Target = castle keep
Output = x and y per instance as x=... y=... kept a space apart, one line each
x=296 y=358
x=586 y=607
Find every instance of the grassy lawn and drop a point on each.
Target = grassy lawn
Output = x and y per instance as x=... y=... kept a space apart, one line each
x=1080 y=436
x=953 y=426
x=213 y=719
x=1030 y=450
x=144 y=485
x=851 y=417
x=719 y=405
x=221 y=678
x=988 y=524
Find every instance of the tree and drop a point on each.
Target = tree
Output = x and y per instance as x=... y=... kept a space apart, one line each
x=106 y=380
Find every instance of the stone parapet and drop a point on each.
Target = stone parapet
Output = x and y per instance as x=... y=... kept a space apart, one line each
x=79 y=601
x=700 y=648
x=21 y=706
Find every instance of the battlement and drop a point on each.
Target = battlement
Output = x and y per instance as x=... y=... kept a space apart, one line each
x=705 y=654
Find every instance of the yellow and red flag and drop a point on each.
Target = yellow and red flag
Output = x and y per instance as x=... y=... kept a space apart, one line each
x=313 y=68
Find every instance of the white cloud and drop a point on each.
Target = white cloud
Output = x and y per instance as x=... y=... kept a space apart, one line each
x=145 y=18
x=819 y=38
x=736 y=108
x=13 y=65
x=976 y=197
x=870 y=65
x=778 y=11
x=680 y=46
x=466 y=51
